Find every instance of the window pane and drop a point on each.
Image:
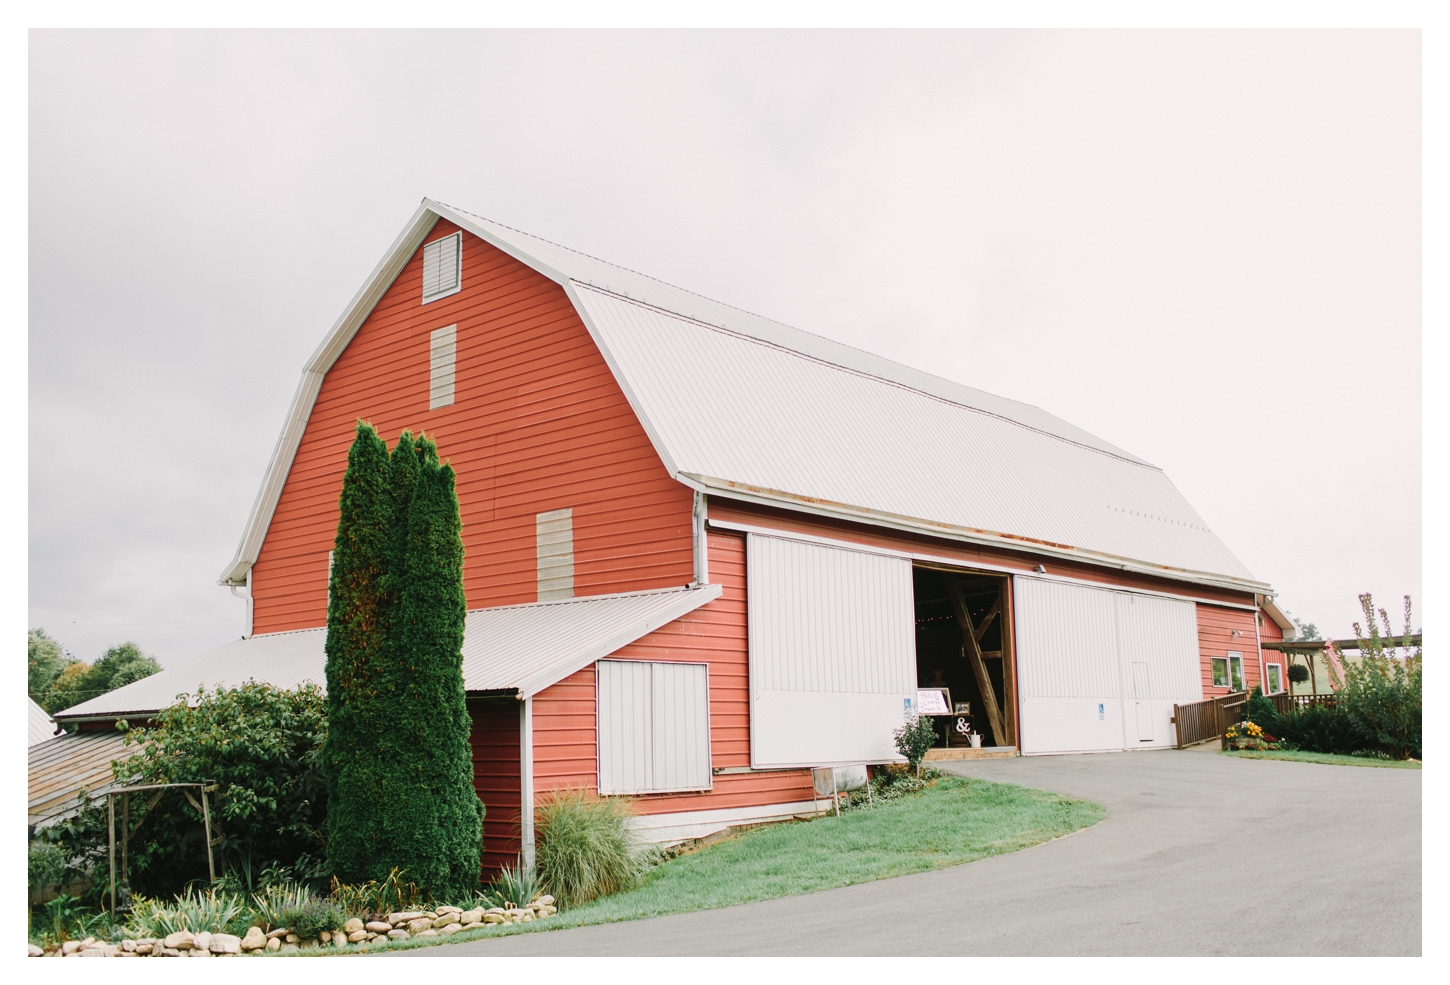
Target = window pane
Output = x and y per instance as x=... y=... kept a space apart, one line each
x=1275 y=681
x=1220 y=672
x=1236 y=669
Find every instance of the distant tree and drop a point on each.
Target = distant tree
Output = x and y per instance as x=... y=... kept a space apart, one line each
x=1305 y=630
x=46 y=659
x=79 y=681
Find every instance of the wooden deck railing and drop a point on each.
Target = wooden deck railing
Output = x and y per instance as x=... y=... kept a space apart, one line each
x=1286 y=703
x=1199 y=721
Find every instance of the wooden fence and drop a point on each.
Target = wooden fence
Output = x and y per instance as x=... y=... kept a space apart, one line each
x=1199 y=721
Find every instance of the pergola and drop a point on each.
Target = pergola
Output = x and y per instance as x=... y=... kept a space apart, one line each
x=1309 y=648
x=128 y=829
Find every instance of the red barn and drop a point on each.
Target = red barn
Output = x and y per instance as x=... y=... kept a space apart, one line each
x=706 y=551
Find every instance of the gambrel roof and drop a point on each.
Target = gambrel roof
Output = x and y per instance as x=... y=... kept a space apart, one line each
x=739 y=405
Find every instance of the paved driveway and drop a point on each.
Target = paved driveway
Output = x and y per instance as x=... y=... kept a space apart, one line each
x=1199 y=854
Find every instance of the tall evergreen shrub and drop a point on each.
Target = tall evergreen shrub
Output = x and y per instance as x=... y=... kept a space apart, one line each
x=401 y=760
x=359 y=613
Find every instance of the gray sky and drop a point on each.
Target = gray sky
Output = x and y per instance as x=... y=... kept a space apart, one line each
x=1202 y=246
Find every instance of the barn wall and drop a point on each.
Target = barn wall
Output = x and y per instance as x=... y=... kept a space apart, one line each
x=538 y=423
x=496 y=778
x=1269 y=631
x=1216 y=639
x=564 y=715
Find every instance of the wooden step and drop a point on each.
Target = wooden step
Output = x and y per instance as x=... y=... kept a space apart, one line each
x=967 y=752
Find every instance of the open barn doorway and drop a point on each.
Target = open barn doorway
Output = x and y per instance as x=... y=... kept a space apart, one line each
x=964 y=644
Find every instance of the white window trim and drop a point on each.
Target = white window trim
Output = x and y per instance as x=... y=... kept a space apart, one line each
x=1280 y=688
x=458 y=271
x=1229 y=659
x=709 y=736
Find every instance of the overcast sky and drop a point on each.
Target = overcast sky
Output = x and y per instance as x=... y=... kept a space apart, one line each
x=1203 y=247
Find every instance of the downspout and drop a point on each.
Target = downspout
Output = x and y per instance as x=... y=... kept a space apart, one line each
x=1259 y=640
x=701 y=544
x=526 y=782
x=247 y=605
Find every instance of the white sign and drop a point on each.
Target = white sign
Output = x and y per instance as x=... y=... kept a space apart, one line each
x=932 y=701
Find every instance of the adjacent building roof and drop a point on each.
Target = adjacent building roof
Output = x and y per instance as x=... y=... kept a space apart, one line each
x=62 y=767
x=41 y=726
x=518 y=649
x=741 y=405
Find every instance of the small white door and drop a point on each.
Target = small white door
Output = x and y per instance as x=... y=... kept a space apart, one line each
x=1144 y=707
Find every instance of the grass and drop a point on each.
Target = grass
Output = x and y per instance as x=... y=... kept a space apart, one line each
x=1329 y=759
x=953 y=821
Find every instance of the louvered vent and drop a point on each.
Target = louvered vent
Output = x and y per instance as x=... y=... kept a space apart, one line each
x=554 y=535
x=442 y=349
x=441 y=274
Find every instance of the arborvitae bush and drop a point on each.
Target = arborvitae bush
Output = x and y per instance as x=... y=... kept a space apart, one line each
x=403 y=762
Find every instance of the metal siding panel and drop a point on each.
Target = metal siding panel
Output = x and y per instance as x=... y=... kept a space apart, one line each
x=1163 y=634
x=625 y=727
x=442 y=350
x=681 y=751
x=554 y=540
x=1067 y=640
x=832 y=652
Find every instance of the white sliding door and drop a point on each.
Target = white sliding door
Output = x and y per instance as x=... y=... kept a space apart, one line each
x=832 y=653
x=1100 y=669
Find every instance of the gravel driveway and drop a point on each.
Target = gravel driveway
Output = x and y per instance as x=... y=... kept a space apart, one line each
x=1199 y=854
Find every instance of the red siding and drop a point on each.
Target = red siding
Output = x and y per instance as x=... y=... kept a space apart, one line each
x=538 y=424
x=1270 y=631
x=496 y=778
x=564 y=715
x=1216 y=639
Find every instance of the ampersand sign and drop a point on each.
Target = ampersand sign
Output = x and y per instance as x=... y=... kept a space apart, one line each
x=964 y=726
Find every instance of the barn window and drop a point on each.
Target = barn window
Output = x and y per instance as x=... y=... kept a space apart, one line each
x=654 y=726
x=442 y=348
x=1276 y=679
x=554 y=542
x=441 y=267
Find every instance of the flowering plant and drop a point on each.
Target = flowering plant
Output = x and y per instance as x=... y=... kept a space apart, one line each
x=1248 y=735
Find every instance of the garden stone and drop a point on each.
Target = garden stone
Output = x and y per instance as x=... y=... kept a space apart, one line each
x=357 y=935
x=70 y=947
x=325 y=937
x=110 y=950
x=202 y=941
x=198 y=952
x=491 y=917
x=471 y=926
x=292 y=938
x=273 y=943
x=472 y=916
x=33 y=951
x=170 y=952
x=378 y=926
x=419 y=925
x=431 y=914
x=449 y=929
x=180 y=940
x=397 y=918
x=444 y=920
x=145 y=947
x=279 y=932
x=399 y=935
x=430 y=932
x=255 y=939
x=352 y=926
x=289 y=946
x=449 y=909
x=226 y=944
x=128 y=945
x=91 y=952
x=546 y=900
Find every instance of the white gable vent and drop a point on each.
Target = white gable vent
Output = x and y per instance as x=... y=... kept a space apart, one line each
x=442 y=354
x=441 y=267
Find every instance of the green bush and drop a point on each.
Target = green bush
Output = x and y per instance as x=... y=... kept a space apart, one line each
x=46 y=865
x=914 y=738
x=269 y=904
x=260 y=745
x=1317 y=728
x=1382 y=692
x=310 y=919
x=77 y=681
x=584 y=846
x=399 y=763
x=513 y=886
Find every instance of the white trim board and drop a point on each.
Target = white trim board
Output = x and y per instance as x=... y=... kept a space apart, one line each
x=665 y=829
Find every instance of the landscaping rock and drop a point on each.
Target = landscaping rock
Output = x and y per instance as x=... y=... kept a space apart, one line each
x=546 y=900
x=279 y=932
x=377 y=926
x=325 y=937
x=352 y=926
x=91 y=952
x=201 y=941
x=181 y=940
x=33 y=951
x=444 y=919
x=145 y=947
x=471 y=926
x=397 y=918
x=430 y=932
x=70 y=947
x=292 y=938
x=472 y=916
x=419 y=925
x=225 y=944
x=399 y=935
x=357 y=935
x=255 y=939
x=273 y=943
x=449 y=929
x=492 y=917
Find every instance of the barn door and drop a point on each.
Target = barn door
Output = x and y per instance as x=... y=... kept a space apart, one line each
x=1143 y=706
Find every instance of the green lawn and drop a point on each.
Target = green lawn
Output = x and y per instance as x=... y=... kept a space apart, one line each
x=1330 y=759
x=955 y=820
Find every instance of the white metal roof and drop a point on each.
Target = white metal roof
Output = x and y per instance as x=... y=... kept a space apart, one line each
x=522 y=648
x=40 y=726
x=740 y=404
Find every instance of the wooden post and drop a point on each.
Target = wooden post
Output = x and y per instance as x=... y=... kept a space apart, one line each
x=206 y=822
x=979 y=666
x=125 y=837
x=1009 y=665
x=111 y=823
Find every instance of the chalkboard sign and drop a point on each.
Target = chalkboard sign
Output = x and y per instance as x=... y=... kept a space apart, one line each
x=933 y=701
